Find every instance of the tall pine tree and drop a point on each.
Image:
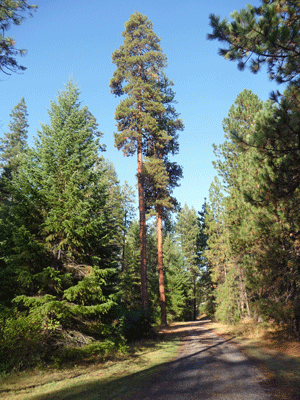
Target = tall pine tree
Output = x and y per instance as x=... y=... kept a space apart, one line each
x=162 y=175
x=140 y=64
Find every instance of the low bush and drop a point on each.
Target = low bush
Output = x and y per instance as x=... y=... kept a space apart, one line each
x=24 y=341
x=135 y=325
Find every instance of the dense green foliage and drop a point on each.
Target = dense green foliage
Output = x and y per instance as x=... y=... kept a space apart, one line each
x=73 y=255
x=60 y=230
x=253 y=233
x=140 y=64
x=14 y=141
x=192 y=240
x=147 y=124
x=267 y=34
x=69 y=242
x=254 y=230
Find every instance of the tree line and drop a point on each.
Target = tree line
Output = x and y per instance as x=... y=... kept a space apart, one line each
x=76 y=266
x=253 y=215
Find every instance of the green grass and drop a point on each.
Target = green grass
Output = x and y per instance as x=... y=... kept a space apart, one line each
x=112 y=380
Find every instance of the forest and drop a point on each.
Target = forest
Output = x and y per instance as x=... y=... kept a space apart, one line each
x=82 y=267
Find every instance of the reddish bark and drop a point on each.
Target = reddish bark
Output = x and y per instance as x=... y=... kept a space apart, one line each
x=142 y=214
x=161 y=283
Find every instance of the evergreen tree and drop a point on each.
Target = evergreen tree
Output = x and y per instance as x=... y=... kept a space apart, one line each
x=204 y=283
x=127 y=199
x=215 y=229
x=67 y=159
x=177 y=281
x=267 y=34
x=274 y=191
x=270 y=34
x=130 y=278
x=188 y=230
x=231 y=238
x=162 y=176
x=14 y=141
x=277 y=140
x=113 y=204
x=156 y=183
x=12 y=146
x=252 y=246
x=140 y=64
x=11 y=12
x=63 y=246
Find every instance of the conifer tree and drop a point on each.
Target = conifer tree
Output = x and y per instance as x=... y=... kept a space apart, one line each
x=215 y=254
x=267 y=34
x=204 y=283
x=156 y=183
x=14 y=141
x=66 y=153
x=12 y=146
x=127 y=200
x=113 y=201
x=187 y=229
x=162 y=175
x=140 y=64
x=11 y=12
x=277 y=139
x=231 y=238
x=274 y=191
x=177 y=280
x=130 y=277
x=64 y=245
x=253 y=258
x=270 y=34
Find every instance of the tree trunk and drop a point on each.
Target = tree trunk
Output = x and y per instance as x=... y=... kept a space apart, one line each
x=123 y=255
x=194 y=301
x=124 y=242
x=142 y=214
x=244 y=292
x=161 y=283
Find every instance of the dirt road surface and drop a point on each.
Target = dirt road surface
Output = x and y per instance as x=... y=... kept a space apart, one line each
x=207 y=367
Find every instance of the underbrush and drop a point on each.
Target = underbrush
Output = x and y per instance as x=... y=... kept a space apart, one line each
x=93 y=352
x=28 y=340
x=83 y=373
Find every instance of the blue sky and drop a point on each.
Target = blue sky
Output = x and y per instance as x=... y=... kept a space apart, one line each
x=72 y=38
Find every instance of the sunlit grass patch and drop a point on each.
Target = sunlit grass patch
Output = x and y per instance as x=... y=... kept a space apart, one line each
x=109 y=380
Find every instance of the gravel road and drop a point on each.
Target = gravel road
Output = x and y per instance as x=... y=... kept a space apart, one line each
x=207 y=367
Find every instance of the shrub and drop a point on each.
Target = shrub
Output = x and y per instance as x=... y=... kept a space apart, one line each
x=135 y=325
x=24 y=341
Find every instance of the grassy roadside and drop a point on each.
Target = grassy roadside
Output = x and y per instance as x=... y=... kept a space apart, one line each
x=115 y=379
x=276 y=351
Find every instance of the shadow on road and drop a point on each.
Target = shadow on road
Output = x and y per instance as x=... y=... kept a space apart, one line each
x=178 y=379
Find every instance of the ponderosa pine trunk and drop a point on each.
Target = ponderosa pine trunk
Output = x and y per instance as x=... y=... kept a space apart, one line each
x=142 y=215
x=161 y=283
